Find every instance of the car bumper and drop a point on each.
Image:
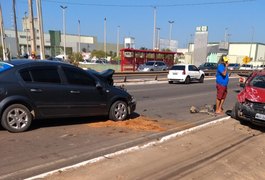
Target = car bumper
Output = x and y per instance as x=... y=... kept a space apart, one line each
x=176 y=78
x=254 y=115
x=131 y=106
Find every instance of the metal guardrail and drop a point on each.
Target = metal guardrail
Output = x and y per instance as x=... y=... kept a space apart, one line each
x=161 y=75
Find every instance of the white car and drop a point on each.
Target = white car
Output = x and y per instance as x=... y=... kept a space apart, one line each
x=185 y=73
x=246 y=67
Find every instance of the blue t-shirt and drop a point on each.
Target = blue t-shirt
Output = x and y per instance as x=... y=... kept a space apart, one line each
x=220 y=79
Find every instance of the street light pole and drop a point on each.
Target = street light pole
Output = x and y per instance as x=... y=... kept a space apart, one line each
x=41 y=35
x=170 y=32
x=252 y=37
x=15 y=24
x=154 y=33
x=105 y=37
x=79 y=38
x=2 y=34
x=158 y=38
x=118 y=40
x=32 y=29
x=64 y=48
x=27 y=36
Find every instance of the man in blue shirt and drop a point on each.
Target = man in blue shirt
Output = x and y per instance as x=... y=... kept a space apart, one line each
x=222 y=79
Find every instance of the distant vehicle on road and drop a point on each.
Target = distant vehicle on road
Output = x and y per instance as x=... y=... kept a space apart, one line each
x=250 y=105
x=246 y=67
x=233 y=66
x=43 y=89
x=185 y=73
x=153 y=66
x=208 y=66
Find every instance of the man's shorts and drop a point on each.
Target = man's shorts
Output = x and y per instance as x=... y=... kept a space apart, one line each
x=221 y=91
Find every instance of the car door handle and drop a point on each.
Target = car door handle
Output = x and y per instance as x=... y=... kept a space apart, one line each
x=74 y=92
x=35 y=90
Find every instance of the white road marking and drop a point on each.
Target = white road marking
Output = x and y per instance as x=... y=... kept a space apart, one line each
x=135 y=148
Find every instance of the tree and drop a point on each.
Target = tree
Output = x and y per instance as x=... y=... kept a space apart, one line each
x=75 y=58
x=98 y=54
x=84 y=50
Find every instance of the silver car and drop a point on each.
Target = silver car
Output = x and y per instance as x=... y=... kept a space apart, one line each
x=153 y=66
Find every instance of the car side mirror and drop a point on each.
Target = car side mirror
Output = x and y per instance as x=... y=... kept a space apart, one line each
x=99 y=85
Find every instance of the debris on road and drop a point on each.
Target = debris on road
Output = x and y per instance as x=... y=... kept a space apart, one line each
x=140 y=123
x=209 y=109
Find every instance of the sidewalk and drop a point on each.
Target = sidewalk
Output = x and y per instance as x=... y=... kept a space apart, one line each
x=223 y=149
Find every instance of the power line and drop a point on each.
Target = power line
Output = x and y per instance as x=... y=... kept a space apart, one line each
x=151 y=5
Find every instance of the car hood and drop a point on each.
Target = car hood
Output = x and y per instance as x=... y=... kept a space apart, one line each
x=106 y=75
x=252 y=94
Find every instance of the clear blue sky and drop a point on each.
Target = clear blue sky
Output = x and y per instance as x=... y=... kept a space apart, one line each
x=136 y=18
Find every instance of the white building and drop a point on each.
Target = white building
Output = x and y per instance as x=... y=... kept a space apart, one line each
x=236 y=52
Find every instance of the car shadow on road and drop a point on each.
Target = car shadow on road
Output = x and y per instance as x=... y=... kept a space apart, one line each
x=46 y=123
x=260 y=128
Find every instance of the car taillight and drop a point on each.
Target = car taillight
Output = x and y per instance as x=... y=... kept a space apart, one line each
x=183 y=72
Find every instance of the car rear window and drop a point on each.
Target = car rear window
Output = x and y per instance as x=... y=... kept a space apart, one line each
x=5 y=66
x=178 y=68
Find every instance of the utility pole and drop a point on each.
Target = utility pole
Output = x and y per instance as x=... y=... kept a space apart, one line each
x=64 y=46
x=32 y=29
x=158 y=38
x=2 y=34
x=27 y=36
x=118 y=41
x=154 y=33
x=41 y=35
x=105 y=37
x=15 y=24
x=252 y=37
x=79 y=38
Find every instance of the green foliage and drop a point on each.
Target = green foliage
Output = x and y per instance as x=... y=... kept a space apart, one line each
x=98 y=54
x=143 y=48
x=75 y=58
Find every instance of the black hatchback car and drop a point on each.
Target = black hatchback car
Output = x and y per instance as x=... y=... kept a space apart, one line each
x=41 y=89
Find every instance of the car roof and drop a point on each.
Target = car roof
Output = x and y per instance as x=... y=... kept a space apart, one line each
x=183 y=64
x=18 y=62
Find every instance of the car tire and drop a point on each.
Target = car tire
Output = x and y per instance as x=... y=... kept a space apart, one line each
x=201 y=80
x=170 y=82
x=16 y=118
x=187 y=80
x=118 y=111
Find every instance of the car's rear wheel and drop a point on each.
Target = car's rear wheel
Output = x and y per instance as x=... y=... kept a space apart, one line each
x=170 y=82
x=187 y=80
x=16 y=118
x=201 y=79
x=118 y=111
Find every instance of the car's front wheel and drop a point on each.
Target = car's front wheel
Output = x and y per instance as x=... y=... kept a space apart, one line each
x=201 y=79
x=118 y=111
x=16 y=118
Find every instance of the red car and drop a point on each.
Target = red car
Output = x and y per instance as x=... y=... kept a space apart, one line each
x=250 y=105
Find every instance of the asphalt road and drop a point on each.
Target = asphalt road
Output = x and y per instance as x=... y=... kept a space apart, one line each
x=51 y=144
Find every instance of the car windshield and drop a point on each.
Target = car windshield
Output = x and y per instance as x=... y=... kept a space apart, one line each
x=246 y=65
x=178 y=68
x=5 y=66
x=231 y=65
x=258 y=81
x=150 y=63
